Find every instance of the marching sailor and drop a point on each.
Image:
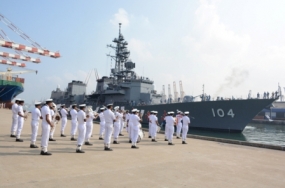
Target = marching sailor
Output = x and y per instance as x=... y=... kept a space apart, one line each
x=117 y=125
x=36 y=116
x=149 y=125
x=74 y=123
x=64 y=114
x=179 y=117
x=135 y=119
x=185 y=126
x=121 y=122
x=109 y=117
x=81 y=115
x=130 y=124
x=154 y=124
x=52 y=113
x=21 y=117
x=89 y=127
x=170 y=127
x=102 y=123
x=46 y=126
x=14 y=118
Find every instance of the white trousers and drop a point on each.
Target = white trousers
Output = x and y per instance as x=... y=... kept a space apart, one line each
x=153 y=130
x=20 y=126
x=63 y=124
x=117 y=128
x=81 y=134
x=166 y=132
x=74 y=125
x=45 y=136
x=178 y=129
x=52 y=130
x=135 y=134
x=130 y=131
x=170 y=131
x=102 y=129
x=108 y=134
x=14 y=124
x=149 y=129
x=121 y=126
x=184 y=132
x=89 y=129
x=35 y=127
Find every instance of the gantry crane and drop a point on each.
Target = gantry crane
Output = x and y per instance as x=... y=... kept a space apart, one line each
x=181 y=91
x=175 y=92
x=169 y=94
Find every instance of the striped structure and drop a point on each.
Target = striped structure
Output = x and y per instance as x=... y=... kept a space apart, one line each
x=21 y=57
x=22 y=47
x=12 y=63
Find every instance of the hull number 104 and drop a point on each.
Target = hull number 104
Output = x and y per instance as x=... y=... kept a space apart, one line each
x=220 y=113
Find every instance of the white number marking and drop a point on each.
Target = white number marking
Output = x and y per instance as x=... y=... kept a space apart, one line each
x=231 y=113
x=220 y=112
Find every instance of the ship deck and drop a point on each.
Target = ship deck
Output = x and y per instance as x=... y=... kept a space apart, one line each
x=201 y=163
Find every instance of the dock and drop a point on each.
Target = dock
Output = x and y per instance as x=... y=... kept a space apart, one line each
x=200 y=163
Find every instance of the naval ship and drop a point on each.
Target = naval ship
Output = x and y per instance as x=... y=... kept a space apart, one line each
x=125 y=88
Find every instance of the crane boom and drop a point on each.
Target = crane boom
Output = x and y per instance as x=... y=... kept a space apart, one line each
x=175 y=92
x=181 y=90
x=169 y=93
x=21 y=57
x=10 y=72
x=12 y=63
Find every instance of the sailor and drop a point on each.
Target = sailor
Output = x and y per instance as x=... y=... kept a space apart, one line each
x=126 y=117
x=47 y=124
x=89 y=127
x=170 y=127
x=149 y=125
x=154 y=123
x=102 y=123
x=185 y=126
x=36 y=116
x=52 y=130
x=178 y=124
x=64 y=114
x=130 y=124
x=14 y=118
x=73 y=113
x=165 y=129
x=117 y=125
x=21 y=117
x=109 y=117
x=81 y=115
x=121 y=122
x=135 y=119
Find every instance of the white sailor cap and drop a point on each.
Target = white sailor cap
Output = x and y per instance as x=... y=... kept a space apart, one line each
x=186 y=113
x=48 y=100
x=17 y=99
x=116 y=108
x=134 y=110
x=179 y=112
x=152 y=112
x=103 y=108
x=155 y=112
x=170 y=112
x=62 y=105
x=38 y=103
x=21 y=100
x=74 y=105
x=109 y=105
x=82 y=105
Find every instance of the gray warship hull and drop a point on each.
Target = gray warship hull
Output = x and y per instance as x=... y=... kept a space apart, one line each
x=230 y=116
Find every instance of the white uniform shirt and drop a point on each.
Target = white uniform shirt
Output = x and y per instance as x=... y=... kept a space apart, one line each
x=169 y=120
x=52 y=114
x=101 y=116
x=135 y=119
x=109 y=116
x=81 y=115
x=20 y=110
x=91 y=117
x=45 y=111
x=127 y=117
x=36 y=114
x=121 y=117
x=15 y=109
x=63 y=113
x=179 y=118
x=186 y=120
x=153 y=119
x=73 y=114
x=117 y=115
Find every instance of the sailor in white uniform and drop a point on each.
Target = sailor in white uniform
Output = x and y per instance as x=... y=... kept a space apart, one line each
x=170 y=127
x=21 y=117
x=36 y=116
x=135 y=119
x=185 y=126
x=63 y=113
x=117 y=125
x=102 y=123
x=121 y=122
x=178 y=124
x=109 y=117
x=89 y=127
x=46 y=126
x=81 y=115
x=52 y=130
x=126 y=117
x=74 y=122
x=14 y=118
x=149 y=125
x=154 y=123
x=130 y=124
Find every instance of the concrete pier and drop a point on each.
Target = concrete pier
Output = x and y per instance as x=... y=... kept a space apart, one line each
x=200 y=163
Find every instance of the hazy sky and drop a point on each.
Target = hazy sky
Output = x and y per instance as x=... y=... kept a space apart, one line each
x=231 y=46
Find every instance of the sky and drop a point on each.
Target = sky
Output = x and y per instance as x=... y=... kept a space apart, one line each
x=229 y=46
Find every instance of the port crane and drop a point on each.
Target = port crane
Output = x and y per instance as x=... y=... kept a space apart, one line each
x=181 y=91
x=175 y=92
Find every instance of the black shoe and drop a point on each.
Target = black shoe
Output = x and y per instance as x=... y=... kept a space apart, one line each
x=121 y=134
x=45 y=153
x=108 y=149
x=183 y=142
x=51 y=139
x=88 y=144
x=115 y=142
x=153 y=140
x=73 y=139
x=149 y=136
x=62 y=135
x=79 y=151
x=12 y=135
x=178 y=137
x=33 y=146
x=135 y=147
x=19 y=140
x=130 y=141
x=101 y=138
x=165 y=140
x=91 y=135
x=170 y=144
